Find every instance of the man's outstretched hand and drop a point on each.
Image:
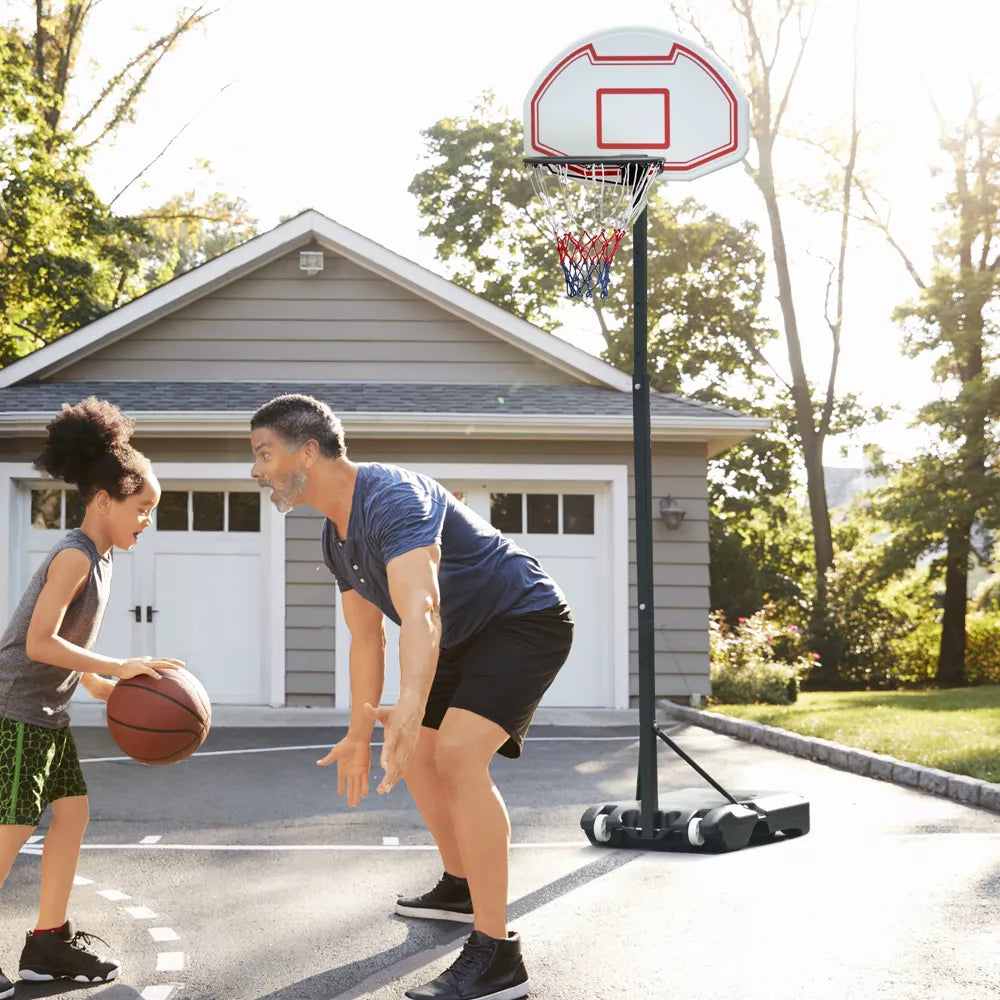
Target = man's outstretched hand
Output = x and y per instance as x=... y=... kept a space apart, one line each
x=402 y=731
x=353 y=756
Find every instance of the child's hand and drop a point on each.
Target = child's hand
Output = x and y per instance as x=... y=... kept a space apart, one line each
x=146 y=665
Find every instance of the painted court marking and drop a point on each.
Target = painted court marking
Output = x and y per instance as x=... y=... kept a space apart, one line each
x=170 y=961
x=162 y=991
x=140 y=912
x=326 y=746
x=113 y=894
x=163 y=934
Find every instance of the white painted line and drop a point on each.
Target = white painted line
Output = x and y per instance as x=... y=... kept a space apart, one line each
x=250 y=848
x=164 y=934
x=390 y=841
x=81 y=880
x=160 y=992
x=35 y=838
x=151 y=840
x=140 y=912
x=170 y=961
x=36 y=851
x=326 y=746
x=113 y=894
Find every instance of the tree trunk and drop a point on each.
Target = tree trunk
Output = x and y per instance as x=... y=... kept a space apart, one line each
x=951 y=658
x=811 y=439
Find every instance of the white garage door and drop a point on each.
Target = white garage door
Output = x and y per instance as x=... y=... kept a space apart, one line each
x=566 y=526
x=192 y=588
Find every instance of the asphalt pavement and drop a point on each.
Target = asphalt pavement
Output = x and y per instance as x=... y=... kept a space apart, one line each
x=239 y=875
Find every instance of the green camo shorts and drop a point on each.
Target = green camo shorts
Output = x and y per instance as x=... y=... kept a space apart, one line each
x=37 y=766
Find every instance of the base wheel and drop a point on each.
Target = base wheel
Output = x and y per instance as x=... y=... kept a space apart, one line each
x=694 y=834
x=602 y=833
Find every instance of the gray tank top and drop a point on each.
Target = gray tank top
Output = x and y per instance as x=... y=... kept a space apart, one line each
x=40 y=692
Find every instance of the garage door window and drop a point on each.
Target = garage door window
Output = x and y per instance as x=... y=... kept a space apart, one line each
x=56 y=509
x=543 y=513
x=208 y=510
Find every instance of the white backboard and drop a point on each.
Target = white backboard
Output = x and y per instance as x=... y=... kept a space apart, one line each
x=639 y=92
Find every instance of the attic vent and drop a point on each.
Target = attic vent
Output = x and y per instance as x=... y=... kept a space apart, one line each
x=311 y=261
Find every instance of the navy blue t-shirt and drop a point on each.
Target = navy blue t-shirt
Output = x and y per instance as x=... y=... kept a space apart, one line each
x=482 y=574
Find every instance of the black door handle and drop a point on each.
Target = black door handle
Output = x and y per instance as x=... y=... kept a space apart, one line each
x=150 y=611
x=137 y=611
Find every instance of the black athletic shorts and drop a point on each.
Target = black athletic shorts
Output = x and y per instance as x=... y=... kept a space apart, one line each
x=502 y=672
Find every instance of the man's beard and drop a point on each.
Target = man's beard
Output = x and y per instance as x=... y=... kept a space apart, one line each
x=288 y=493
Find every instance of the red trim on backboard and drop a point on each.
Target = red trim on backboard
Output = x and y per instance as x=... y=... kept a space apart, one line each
x=664 y=143
x=588 y=52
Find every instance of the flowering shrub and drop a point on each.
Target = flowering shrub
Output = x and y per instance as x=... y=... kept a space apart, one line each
x=757 y=659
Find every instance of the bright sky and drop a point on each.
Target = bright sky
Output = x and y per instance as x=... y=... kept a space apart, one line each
x=325 y=101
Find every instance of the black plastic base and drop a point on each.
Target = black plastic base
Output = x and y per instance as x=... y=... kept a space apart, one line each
x=696 y=819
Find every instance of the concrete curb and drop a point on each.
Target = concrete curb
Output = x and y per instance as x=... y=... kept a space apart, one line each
x=968 y=791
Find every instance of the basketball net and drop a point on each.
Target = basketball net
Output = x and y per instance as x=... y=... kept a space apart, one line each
x=588 y=208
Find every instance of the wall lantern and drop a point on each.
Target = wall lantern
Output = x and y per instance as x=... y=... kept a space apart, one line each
x=311 y=261
x=671 y=512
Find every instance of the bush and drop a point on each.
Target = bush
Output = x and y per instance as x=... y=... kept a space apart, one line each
x=769 y=683
x=756 y=660
x=982 y=648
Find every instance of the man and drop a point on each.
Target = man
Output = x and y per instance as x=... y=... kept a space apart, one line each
x=483 y=632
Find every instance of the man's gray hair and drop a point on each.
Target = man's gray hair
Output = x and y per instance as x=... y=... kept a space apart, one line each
x=297 y=419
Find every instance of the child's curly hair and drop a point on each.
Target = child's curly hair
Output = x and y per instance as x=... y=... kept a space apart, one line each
x=88 y=445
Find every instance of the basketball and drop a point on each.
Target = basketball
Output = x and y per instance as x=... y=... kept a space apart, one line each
x=159 y=721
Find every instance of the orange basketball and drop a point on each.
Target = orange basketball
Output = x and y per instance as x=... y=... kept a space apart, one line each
x=159 y=721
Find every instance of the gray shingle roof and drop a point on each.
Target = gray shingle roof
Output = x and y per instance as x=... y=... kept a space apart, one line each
x=355 y=397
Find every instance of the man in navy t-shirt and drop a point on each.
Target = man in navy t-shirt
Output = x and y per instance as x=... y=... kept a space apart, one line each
x=483 y=632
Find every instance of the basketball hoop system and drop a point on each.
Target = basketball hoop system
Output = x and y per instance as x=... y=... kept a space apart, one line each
x=587 y=207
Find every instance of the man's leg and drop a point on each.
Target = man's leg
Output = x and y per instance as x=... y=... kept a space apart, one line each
x=431 y=797
x=464 y=747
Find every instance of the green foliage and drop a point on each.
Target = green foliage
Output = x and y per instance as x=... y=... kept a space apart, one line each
x=474 y=197
x=760 y=556
x=936 y=500
x=185 y=232
x=65 y=257
x=982 y=652
x=881 y=610
x=757 y=659
x=987 y=595
x=61 y=248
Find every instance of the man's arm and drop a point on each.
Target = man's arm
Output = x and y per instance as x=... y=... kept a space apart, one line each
x=367 y=659
x=353 y=752
x=413 y=586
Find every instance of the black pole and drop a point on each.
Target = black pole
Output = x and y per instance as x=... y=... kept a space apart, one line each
x=647 y=783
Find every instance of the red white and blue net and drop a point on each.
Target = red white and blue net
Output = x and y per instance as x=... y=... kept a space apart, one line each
x=587 y=208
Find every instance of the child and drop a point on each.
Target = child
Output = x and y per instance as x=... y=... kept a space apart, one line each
x=45 y=652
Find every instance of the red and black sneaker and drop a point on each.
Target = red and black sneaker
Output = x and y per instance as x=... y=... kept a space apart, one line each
x=65 y=954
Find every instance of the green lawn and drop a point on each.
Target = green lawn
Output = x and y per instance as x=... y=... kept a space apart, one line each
x=957 y=730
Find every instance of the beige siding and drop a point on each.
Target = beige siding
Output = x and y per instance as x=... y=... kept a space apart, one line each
x=344 y=324
x=310 y=614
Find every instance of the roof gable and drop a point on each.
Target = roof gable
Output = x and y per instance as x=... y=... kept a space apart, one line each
x=298 y=233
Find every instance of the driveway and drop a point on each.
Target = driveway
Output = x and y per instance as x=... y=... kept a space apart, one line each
x=239 y=875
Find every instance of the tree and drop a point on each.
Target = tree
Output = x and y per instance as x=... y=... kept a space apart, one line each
x=938 y=497
x=60 y=246
x=775 y=38
x=66 y=257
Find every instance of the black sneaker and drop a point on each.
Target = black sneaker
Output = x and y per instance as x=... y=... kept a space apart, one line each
x=65 y=954
x=6 y=987
x=486 y=969
x=448 y=900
